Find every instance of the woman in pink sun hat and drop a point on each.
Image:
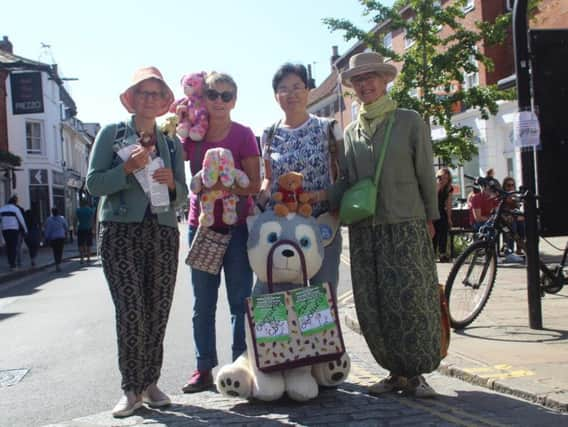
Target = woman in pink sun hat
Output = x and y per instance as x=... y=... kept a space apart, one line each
x=139 y=243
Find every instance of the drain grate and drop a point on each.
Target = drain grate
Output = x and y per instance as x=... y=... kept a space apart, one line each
x=12 y=376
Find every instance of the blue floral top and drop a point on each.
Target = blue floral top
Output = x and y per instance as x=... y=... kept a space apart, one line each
x=304 y=149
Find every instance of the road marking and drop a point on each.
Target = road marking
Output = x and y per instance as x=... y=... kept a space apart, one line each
x=456 y=416
x=345 y=297
x=346 y=260
x=499 y=372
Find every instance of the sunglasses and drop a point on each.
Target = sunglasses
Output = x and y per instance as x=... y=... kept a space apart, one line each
x=226 y=96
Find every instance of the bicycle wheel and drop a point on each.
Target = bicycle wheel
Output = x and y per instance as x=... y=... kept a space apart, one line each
x=470 y=283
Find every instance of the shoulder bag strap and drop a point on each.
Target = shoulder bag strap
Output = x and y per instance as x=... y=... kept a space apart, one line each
x=332 y=147
x=386 y=142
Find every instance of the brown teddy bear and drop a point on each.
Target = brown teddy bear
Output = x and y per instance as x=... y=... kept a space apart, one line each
x=290 y=196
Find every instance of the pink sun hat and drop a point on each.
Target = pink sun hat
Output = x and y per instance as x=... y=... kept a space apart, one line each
x=140 y=75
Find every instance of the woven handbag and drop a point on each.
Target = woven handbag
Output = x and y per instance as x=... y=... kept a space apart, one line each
x=294 y=328
x=207 y=250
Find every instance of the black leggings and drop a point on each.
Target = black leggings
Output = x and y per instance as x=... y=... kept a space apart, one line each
x=440 y=239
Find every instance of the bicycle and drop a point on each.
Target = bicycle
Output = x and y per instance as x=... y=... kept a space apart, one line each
x=473 y=274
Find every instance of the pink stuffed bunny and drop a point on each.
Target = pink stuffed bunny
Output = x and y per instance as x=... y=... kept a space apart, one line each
x=193 y=120
x=218 y=165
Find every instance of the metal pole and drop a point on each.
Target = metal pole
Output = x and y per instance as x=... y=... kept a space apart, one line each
x=521 y=48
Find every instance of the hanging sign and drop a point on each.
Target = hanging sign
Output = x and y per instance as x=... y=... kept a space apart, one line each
x=27 y=93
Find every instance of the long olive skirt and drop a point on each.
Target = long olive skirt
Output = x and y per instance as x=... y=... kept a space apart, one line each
x=395 y=287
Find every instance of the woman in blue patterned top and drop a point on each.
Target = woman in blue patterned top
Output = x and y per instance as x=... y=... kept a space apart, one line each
x=300 y=142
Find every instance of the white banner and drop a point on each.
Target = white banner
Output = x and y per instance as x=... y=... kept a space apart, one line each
x=526 y=129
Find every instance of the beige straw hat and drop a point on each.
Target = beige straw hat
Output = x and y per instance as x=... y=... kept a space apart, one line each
x=367 y=62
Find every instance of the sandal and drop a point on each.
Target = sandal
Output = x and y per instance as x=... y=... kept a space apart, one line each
x=388 y=384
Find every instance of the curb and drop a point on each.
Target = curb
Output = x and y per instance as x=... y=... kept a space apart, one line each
x=451 y=370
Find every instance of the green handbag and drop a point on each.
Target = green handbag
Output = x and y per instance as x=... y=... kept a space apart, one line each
x=360 y=201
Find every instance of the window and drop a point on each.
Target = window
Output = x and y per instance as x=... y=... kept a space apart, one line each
x=471 y=79
x=387 y=41
x=33 y=137
x=469 y=5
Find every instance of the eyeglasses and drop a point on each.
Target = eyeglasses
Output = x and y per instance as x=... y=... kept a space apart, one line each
x=361 y=78
x=149 y=95
x=283 y=90
x=226 y=96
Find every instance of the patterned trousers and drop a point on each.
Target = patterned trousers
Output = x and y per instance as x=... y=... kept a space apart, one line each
x=140 y=262
x=395 y=288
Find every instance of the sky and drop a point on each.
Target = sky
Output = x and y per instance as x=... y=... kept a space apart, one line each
x=102 y=42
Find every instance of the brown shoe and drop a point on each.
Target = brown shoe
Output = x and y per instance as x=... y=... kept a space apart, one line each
x=199 y=381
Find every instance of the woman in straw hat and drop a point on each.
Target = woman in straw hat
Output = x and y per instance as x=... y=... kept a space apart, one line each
x=139 y=244
x=395 y=283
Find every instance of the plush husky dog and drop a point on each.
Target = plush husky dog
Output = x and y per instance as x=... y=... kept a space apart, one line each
x=242 y=378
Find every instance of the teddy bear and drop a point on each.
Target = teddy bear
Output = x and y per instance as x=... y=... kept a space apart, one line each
x=285 y=238
x=193 y=120
x=290 y=196
x=218 y=165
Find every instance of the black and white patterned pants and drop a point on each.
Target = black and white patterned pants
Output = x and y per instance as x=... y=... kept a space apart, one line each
x=140 y=263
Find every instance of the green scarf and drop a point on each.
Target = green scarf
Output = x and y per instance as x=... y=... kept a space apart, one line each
x=372 y=115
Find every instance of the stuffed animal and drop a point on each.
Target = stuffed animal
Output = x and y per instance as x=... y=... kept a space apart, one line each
x=218 y=165
x=169 y=126
x=242 y=378
x=193 y=120
x=290 y=196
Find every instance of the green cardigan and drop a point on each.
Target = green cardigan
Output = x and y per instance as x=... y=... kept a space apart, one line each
x=407 y=186
x=106 y=178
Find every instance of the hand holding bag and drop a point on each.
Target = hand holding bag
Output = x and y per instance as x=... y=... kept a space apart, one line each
x=360 y=201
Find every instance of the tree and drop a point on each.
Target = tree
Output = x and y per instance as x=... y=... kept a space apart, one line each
x=434 y=63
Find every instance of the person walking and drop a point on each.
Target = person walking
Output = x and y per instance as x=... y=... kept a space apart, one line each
x=395 y=283
x=84 y=226
x=139 y=236
x=223 y=132
x=12 y=225
x=56 y=228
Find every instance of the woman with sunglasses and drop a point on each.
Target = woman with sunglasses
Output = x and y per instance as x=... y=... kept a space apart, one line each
x=301 y=142
x=220 y=99
x=139 y=244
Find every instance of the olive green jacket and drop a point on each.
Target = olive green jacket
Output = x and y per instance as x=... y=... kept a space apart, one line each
x=106 y=178
x=407 y=186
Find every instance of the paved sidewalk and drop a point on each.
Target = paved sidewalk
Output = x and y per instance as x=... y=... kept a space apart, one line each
x=44 y=260
x=499 y=350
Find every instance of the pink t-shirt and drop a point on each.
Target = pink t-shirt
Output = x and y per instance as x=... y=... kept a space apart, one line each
x=242 y=143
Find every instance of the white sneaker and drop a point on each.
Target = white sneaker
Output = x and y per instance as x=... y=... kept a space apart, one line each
x=126 y=406
x=154 y=397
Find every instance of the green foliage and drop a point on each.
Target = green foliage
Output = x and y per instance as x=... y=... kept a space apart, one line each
x=434 y=63
x=9 y=158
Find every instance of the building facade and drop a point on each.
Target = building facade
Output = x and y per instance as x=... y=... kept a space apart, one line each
x=493 y=137
x=38 y=124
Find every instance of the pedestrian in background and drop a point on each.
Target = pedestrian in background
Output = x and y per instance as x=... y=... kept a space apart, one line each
x=12 y=224
x=139 y=242
x=442 y=226
x=56 y=228
x=84 y=226
x=33 y=238
x=395 y=283
x=223 y=132
x=21 y=238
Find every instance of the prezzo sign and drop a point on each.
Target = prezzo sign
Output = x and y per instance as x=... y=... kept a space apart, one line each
x=27 y=93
